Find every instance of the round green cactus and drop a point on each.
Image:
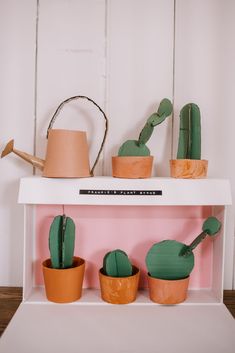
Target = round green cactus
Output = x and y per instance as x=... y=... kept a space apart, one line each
x=170 y=259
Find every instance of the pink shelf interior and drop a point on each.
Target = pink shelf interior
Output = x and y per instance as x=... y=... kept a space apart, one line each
x=132 y=228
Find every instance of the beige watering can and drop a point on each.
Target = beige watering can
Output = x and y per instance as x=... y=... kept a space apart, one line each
x=67 y=150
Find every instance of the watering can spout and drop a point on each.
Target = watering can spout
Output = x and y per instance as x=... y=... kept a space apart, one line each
x=35 y=161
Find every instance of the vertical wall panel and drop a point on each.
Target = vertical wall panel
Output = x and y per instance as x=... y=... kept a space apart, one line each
x=205 y=53
x=140 y=48
x=17 y=45
x=71 y=61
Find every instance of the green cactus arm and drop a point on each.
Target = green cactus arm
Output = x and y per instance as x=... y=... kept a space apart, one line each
x=117 y=264
x=164 y=110
x=187 y=250
x=145 y=133
x=211 y=227
x=61 y=242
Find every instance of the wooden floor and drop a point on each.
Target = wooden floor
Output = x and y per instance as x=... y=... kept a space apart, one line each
x=10 y=298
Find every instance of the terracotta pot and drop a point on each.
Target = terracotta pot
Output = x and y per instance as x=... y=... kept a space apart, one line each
x=164 y=291
x=119 y=290
x=188 y=168
x=132 y=167
x=64 y=285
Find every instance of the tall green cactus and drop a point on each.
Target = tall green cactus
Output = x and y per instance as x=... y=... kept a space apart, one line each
x=138 y=147
x=170 y=259
x=117 y=264
x=61 y=242
x=189 y=146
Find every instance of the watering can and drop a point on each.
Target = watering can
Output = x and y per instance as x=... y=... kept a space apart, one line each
x=67 y=150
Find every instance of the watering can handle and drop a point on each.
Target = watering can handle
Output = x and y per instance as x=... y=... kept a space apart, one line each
x=105 y=118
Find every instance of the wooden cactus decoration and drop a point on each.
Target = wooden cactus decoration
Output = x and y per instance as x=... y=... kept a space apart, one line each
x=61 y=242
x=138 y=147
x=117 y=264
x=189 y=146
x=170 y=259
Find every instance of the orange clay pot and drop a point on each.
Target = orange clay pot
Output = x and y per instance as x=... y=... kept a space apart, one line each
x=64 y=285
x=119 y=290
x=132 y=167
x=164 y=291
x=188 y=168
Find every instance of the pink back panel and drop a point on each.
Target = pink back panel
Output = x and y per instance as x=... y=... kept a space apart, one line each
x=133 y=229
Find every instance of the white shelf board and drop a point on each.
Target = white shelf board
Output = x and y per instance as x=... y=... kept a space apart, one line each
x=119 y=329
x=92 y=297
x=39 y=190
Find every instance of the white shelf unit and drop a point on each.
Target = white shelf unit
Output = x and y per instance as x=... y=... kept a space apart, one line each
x=202 y=323
x=213 y=194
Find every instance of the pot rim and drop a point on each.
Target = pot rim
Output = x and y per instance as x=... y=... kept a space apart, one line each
x=134 y=157
x=77 y=262
x=68 y=130
x=187 y=159
x=168 y=280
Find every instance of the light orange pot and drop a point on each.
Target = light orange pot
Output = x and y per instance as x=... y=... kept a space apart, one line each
x=119 y=290
x=132 y=167
x=164 y=291
x=64 y=285
x=188 y=168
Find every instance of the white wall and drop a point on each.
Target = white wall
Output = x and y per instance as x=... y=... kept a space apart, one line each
x=121 y=54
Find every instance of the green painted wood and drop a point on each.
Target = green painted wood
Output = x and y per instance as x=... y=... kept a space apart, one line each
x=164 y=109
x=210 y=227
x=146 y=133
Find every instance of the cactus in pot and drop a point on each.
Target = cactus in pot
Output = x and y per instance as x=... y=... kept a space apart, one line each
x=136 y=152
x=188 y=163
x=118 y=278
x=63 y=272
x=170 y=261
